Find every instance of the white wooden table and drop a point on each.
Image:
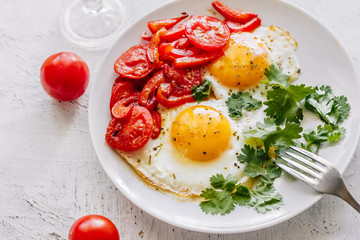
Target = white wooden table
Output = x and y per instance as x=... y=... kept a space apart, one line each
x=49 y=173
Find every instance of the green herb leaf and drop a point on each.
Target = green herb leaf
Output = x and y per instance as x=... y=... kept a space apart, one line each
x=326 y=133
x=257 y=164
x=276 y=77
x=329 y=108
x=217 y=202
x=238 y=101
x=264 y=198
x=272 y=135
x=201 y=92
x=219 y=182
x=241 y=196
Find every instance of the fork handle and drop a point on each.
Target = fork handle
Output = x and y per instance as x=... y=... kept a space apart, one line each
x=344 y=194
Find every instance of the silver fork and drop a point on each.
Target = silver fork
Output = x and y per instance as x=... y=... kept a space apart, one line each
x=316 y=172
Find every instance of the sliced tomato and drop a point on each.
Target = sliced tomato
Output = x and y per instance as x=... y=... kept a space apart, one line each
x=247 y=27
x=124 y=106
x=233 y=15
x=134 y=63
x=174 y=33
x=165 y=48
x=207 y=32
x=121 y=90
x=165 y=98
x=157 y=124
x=197 y=59
x=182 y=80
x=168 y=23
x=147 y=96
x=153 y=51
x=131 y=133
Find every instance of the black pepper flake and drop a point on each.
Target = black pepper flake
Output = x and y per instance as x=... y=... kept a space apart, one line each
x=115 y=133
x=174 y=139
x=204 y=135
x=204 y=153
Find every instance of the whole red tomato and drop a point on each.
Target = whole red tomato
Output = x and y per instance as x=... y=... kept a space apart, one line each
x=93 y=227
x=64 y=76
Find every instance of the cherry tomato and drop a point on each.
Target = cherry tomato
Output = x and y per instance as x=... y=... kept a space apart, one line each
x=123 y=107
x=182 y=80
x=121 y=90
x=233 y=15
x=207 y=32
x=131 y=133
x=64 y=76
x=133 y=63
x=93 y=227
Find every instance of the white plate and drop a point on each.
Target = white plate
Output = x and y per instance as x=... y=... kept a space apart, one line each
x=323 y=61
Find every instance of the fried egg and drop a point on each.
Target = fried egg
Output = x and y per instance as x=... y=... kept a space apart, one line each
x=247 y=55
x=199 y=140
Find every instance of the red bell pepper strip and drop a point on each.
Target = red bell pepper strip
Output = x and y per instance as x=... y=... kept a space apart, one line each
x=165 y=98
x=153 y=51
x=174 y=33
x=147 y=96
x=197 y=59
x=168 y=23
x=247 y=27
x=231 y=14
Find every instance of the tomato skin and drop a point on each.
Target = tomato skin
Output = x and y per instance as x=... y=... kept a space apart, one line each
x=123 y=107
x=174 y=33
x=232 y=14
x=134 y=63
x=207 y=32
x=93 y=227
x=132 y=132
x=64 y=76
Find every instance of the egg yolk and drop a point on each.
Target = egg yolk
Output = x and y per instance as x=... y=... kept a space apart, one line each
x=244 y=63
x=200 y=133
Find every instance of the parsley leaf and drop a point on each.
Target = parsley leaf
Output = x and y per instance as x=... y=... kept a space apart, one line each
x=329 y=108
x=202 y=91
x=326 y=133
x=238 y=101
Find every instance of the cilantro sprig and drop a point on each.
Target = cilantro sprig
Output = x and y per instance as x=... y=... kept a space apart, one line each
x=283 y=98
x=331 y=109
x=238 y=101
x=201 y=92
